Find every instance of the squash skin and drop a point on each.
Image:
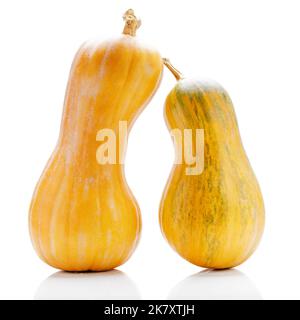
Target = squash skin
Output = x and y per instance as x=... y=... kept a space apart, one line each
x=83 y=216
x=215 y=219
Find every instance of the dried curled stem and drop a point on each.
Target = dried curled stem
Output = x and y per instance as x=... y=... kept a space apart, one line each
x=132 y=23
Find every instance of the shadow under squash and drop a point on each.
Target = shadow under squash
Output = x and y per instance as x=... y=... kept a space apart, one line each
x=216 y=285
x=88 y=286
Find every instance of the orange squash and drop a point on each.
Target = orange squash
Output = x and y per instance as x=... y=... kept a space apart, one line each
x=83 y=215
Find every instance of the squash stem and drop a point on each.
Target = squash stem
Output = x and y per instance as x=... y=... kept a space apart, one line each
x=177 y=74
x=132 y=23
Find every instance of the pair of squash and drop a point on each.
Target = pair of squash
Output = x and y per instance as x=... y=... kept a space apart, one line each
x=83 y=216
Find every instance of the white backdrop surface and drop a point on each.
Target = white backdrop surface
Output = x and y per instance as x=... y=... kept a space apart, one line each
x=251 y=47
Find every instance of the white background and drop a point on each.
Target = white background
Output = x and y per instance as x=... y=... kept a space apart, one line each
x=251 y=47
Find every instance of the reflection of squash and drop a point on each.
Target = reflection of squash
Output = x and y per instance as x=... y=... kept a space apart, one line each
x=110 y=285
x=83 y=215
x=214 y=219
